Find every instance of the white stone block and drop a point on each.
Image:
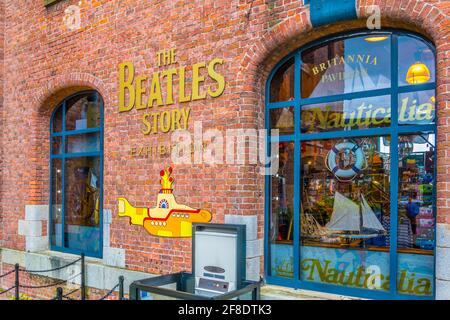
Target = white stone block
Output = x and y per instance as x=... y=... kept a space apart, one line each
x=443 y=263
x=443 y=235
x=37 y=262
x=250 y=221
x=106 y=235
x=255 y=248
x=442 y=290
x=36 y=212
x=72 y=273
x=30 y=228
x=114 y=257
x=95 y=276
x=10 y=256
x=107 y=216
x=36 y=244
x=253 y=267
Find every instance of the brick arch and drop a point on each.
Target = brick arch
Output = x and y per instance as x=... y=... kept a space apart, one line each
x=59 y=87
x=45 y=101
x=292 y=33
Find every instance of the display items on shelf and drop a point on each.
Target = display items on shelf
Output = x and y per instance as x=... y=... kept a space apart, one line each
x=345 y=193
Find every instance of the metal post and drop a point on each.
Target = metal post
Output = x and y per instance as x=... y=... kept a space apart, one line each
x=59 y=293
x=16 y=282
x=121 y=279
x=83 y=278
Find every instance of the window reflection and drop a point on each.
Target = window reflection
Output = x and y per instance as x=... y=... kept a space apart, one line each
x=79 y=143
x=82 y=112
x=415 y=62
x=416 y=216
x=76 y=175
x=82 y=196
x=282 y=119
x=56 y=237
x=345 y=211
x=344 y=66
x=281 y=222
x=344 y=184
x=346 y=115
x=418 y=107
x=282 y=85
x=57 y=120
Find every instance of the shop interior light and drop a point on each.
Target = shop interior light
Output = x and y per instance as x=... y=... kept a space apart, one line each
x=418 y=72
x=375 y=38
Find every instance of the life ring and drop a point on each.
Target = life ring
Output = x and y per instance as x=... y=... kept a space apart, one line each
x=355 y=168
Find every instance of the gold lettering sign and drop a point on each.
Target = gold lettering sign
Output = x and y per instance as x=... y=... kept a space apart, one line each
x=366 y=115
x=359 y=59
x=408 y=282
x=182 y=84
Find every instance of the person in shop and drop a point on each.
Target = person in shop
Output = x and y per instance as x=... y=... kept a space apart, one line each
x=412 y=210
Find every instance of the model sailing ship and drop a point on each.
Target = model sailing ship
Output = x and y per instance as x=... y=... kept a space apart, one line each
x=352 y=220
x=348 y=220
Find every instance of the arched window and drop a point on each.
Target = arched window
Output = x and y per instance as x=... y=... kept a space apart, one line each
x=76 y=164
x=352 y=209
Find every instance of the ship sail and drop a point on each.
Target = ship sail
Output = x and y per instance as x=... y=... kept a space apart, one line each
x=345 y=216
x=310 y=226
x=370 y=221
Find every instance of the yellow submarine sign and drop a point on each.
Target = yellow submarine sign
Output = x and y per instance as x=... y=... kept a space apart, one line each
x=168 y=218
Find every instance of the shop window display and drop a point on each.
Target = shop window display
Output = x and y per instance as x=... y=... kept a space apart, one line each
x=281 y=220
x=416 y=226
x=345 y=205
x=354 y=185
x=76 y=175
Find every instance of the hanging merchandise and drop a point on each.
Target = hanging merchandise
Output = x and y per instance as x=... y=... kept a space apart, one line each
x=345 y=160
x=286 y=120
x=405 y=147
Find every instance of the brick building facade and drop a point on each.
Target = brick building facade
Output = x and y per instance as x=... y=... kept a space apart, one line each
x=44 y=61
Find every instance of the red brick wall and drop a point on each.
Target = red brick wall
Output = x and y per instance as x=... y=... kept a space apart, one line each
x=2 y=41
x=44 y=61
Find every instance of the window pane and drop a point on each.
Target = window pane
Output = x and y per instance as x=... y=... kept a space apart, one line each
x=82 y=204
x=282 y=119
x=343 y=66
x=57 y=119
x=83 y=143
x=417 y=107
x=416 y=216
x=415 y=62
x=82 y=112
x=346 y=115
x=57 y=145
x=281 y=223
x=345 y=212
x=56 y=238
x=282 y=85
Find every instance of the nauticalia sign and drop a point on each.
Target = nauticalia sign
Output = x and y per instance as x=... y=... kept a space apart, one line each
x=367 y=115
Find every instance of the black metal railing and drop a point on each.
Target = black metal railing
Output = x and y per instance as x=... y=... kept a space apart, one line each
x=59 y=290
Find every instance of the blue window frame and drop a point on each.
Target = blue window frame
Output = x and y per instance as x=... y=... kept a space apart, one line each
x=398 y=136
x=76 y=175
